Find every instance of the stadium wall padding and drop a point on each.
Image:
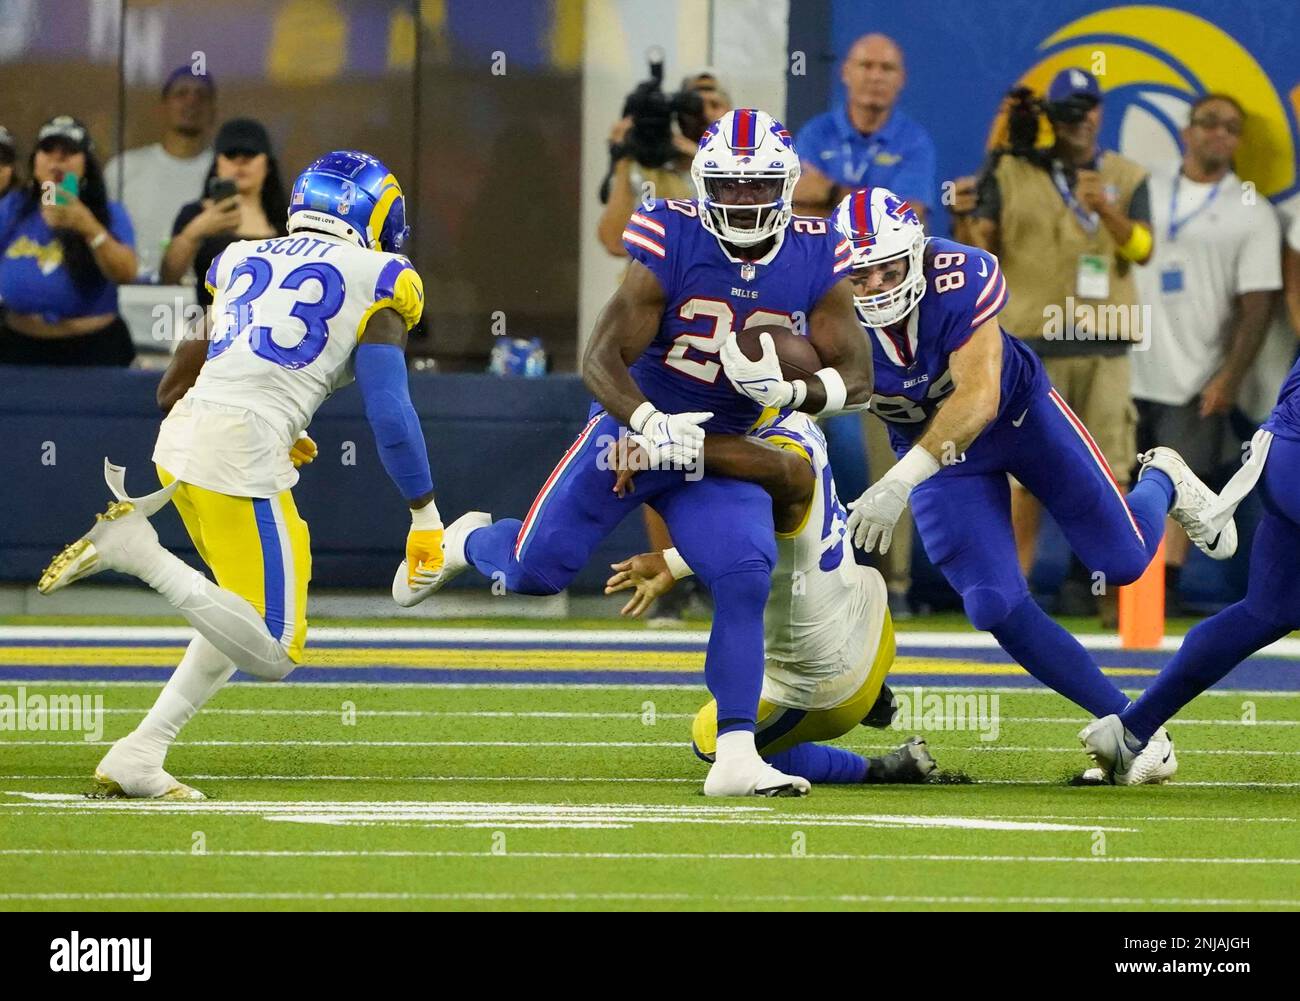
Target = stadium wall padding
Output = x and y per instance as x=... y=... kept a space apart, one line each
x=492 y=442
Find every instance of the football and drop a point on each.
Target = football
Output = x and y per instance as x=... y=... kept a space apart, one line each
x=798 y=357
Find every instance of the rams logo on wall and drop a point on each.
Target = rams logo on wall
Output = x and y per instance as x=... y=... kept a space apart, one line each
x=1152 y=63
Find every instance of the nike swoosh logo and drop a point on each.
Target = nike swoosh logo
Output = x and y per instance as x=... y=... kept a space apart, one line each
x=984 y=269
x=1020 y=420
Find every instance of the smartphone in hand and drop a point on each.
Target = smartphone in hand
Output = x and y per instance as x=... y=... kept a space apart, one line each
x=221 y=188
x=68 y=189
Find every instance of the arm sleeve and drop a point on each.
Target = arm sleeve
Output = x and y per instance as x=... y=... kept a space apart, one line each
x=381 y=377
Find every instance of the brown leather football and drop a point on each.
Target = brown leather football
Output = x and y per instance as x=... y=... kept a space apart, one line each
x=798 y=357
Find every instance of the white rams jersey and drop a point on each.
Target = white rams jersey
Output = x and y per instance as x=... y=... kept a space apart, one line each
x=287 y=314
x=825 y=616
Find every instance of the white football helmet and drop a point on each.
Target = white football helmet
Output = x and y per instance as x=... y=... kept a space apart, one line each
x=744 y=173
x=875 y=227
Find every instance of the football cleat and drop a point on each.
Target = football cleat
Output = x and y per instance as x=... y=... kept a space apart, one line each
x=114 y=541
x=1193 y=501
x=1104 y=741
x=127 y=772
x=753 y=777
x=454 y=562
x=912 y=763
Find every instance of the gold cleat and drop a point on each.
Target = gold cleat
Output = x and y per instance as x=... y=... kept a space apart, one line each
x=106 y=788
x=80 y=559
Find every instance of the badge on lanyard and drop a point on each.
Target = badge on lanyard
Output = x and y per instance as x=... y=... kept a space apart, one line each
x=1093 y=280
x=1171 y=278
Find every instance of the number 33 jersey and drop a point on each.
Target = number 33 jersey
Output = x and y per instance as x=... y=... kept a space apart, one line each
x=708 y=293
x=964 y=290
x=287 y=314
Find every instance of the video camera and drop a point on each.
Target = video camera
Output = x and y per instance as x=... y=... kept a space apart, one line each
x=650 y=139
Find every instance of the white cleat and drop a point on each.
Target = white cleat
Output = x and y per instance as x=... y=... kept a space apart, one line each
x=1103 y=739
x=454 y=562
x=1193 y=502
x=115 y=541
x=126 y=772
x=754 y=777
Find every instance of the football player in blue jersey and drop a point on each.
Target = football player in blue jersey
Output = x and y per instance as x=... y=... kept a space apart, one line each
x=663 y=366
x=1270 y=610
x=967 y=406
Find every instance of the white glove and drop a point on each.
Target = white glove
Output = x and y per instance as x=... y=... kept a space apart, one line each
x=760 y=380
x=671 y=440
x=874 y=515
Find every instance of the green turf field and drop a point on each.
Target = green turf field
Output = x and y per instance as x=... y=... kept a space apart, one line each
x=500 y=797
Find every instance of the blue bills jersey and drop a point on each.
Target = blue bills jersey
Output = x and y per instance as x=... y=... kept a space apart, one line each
x=965 y=288
x=1284 y=421
x=709 y=293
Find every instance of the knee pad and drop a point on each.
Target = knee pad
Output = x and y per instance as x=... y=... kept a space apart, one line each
x=987 y=608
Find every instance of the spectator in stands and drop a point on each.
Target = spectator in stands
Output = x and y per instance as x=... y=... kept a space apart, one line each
x=64 y=249
x=154 y=181
x=1068 y=224
x=8 y=154
x=866 y=140
x=628 y=178
x=258 y=209
x=1210 y=286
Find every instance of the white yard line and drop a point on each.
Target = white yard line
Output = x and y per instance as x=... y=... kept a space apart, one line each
x=962 y=639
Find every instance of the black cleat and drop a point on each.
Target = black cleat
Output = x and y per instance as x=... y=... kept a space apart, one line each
x=912 y=763
x=883 y=710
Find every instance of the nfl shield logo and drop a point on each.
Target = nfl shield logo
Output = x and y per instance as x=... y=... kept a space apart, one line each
x=747 y=272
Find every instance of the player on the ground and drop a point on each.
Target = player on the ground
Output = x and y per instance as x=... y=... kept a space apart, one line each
x=967 y=405
x=827 y=629
x=293 y=319
x=655 y=363
x=1270 y=610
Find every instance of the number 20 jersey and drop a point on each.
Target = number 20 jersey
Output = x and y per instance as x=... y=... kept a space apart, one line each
x=965 y=288
x=287 y=314
x=708 y=293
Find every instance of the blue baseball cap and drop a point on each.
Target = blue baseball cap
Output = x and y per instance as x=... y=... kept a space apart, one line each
x=1073 y=82
x=186 y=70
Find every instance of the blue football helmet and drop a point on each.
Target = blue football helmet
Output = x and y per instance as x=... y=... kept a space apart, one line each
x=351 y=195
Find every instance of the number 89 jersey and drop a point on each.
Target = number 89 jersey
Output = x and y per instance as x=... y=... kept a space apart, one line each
x=964 y=290
x=287 y=314
x=708 y=293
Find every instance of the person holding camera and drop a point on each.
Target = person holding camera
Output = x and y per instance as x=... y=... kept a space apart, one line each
x=1069 y=223
x=649 y=157
x=244 y=200
x=64 y=249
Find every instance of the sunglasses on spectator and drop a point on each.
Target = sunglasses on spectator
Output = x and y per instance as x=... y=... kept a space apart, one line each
x=1209 y=123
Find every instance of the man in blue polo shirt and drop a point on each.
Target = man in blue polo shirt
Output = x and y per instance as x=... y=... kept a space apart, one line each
x=866 y=141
